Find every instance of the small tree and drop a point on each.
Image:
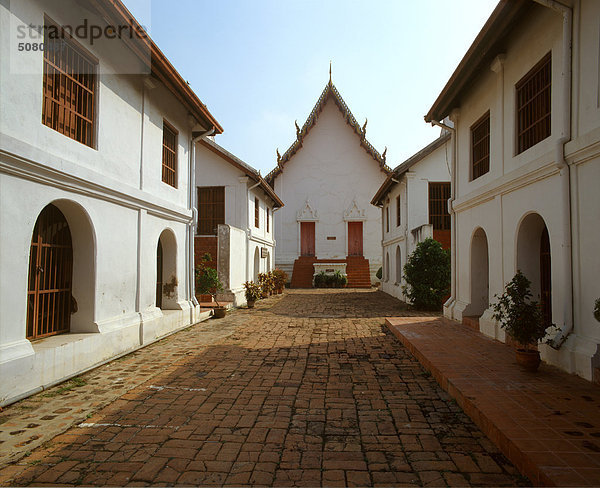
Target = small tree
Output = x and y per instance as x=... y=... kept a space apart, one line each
x=521 y=317
x=427 y=274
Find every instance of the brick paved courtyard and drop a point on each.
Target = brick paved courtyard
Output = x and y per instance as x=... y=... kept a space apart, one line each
x=307 y=390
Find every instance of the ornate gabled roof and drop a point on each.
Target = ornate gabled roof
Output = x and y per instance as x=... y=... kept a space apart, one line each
x=330 y=91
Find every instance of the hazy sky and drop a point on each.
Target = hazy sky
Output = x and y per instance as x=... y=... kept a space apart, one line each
x=259 y=65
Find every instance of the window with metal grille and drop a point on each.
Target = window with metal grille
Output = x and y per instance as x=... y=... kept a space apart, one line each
x=211 y=209
x=256 y=213
x=480 y=147
x=268 y=215
x=169 y=155
x=69 y=86
x=533 y=104
x=387 y=218
x=439 y=193
x=398 y=211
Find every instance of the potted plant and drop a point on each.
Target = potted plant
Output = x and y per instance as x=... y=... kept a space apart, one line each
x=319 y=279
x=253 y=293
x=263 y=282
x=280 y=277
x=340 y=280
x=522 y=320
x=208 y=283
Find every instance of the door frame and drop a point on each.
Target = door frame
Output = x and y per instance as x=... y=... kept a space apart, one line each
x=300 y=222
x=362 y=237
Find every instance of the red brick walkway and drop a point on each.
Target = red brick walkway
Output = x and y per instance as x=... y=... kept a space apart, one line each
x=547 y=423
x=310 y=390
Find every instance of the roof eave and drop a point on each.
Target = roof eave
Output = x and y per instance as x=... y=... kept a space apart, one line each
x=480 y=53
x=115 y=11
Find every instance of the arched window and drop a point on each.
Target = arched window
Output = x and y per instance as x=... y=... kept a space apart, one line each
x=50 y=275
x=398 y=266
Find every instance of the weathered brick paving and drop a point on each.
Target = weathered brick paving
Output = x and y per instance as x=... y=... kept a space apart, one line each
x=309 y=392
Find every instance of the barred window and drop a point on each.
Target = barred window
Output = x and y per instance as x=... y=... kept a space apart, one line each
x=387 y=218
x=268 y=215
x=211 y=209
x=169 y=155
x=533 y=105
x=480 y=147
x=69 y=86
x=398 y=211
x=439 y=193
x=256 y=213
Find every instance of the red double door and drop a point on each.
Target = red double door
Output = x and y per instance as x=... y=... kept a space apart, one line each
x=355 y=238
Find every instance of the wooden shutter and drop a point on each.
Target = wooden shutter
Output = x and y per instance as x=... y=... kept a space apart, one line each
x=480 y=147
x=169 y=155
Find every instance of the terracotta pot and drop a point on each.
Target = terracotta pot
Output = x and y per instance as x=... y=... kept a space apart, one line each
x=219 y=312
x=528 y=359
x=250 y=303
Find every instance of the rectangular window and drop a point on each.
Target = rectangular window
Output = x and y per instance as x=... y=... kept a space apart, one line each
x=268 y=215
x=256 y=213
x=398 y=218
x=480 y=147
x=533 y=105
x=69 y=87
x=387 y=218
x=211 y=209
x=439 y=193
x=169 y=155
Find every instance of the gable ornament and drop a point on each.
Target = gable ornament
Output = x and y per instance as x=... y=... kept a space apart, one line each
x=354 y=212
x=307 y=213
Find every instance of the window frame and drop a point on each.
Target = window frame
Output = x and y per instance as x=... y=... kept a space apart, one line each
x=268 y=215
x=213 y=204
x=256 y=212
x=484 y=161
x=398 y=211
x=445 y=215
x=387 y=218
x=85 y=55
x=169 y=127
x=520 y=144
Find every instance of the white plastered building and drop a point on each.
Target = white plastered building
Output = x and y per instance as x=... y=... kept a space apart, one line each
x=236 y=212
x=526 y=109
x=326 y=179
x=96 y=192
x=413 y=201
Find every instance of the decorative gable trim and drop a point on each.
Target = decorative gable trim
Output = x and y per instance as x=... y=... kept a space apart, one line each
x=307 y=213
x=330 y=91
x=354 y=213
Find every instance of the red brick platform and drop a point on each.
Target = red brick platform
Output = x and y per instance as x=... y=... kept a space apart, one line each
x=547 y=423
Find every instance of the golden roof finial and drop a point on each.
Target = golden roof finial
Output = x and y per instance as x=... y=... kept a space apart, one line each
x=384 y=153
x=330 y=71
x=297 y=129
x=364 y=127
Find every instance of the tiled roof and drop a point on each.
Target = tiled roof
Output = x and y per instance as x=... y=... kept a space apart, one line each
x=330 y=91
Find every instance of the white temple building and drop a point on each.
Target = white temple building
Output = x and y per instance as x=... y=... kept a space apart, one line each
x=327 y=179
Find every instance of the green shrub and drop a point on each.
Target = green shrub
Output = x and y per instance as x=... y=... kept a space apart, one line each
x=427 y=274
x=521 y=317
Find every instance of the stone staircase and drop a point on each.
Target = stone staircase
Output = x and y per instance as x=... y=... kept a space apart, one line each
x=357 y=269
x=358 y=272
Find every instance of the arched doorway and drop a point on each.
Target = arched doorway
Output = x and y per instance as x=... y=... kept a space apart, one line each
x=480 y=285
x=546 y=277
x=398 y=266
x=159 y=274
x=167 y=295
x=387 y=266
x=535 y=262
x=256 y=264
x=49 y=302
